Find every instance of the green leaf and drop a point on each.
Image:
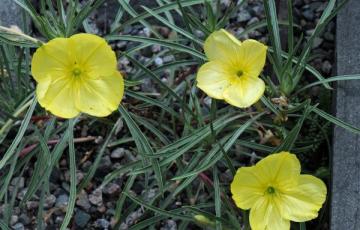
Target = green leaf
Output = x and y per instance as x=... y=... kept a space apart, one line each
x=171 y=214
x=154 y=41
x=15 y=37
x=24 y=124
x=72 y=198
x=336 y=120
x=142 y=145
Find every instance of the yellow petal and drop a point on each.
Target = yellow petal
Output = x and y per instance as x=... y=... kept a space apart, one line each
x=247 y=187
x=281 y=170
x=213 y=78
x=58 y=98
x=251 y=57
x=244 y=91
x=265 y=215
x=51 y=60
x=221 y=46
x=100 y=97
x=93 y=54
x=303 y=202
x=42 y=87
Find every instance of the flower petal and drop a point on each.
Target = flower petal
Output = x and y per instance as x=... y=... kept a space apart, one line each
x=266 y=215
x=100 y=97
x=94 y=54
x=58 y=98
x=213 y=78
x=247 y=187
x=281 y=170
x=51 y=60
x=303 y=202
x=221 y=45
x=252 y=57
x=244 y=91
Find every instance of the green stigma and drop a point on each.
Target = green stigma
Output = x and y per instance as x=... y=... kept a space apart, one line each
x=76 y=72
x=239 y=73
x=270 y=190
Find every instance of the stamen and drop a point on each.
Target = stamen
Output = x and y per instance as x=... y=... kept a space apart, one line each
x=239 y=73
x=270 y=190
x=76 y=72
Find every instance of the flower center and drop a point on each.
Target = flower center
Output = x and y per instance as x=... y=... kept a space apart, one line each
x=270 y=190
x=76 y=72
x=239 y=73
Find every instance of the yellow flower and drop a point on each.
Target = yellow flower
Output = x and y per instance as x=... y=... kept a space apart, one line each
x=232 y=73
x=276 y=193
x=77 y=74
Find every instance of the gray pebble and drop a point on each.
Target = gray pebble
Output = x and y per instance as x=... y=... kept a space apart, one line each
x=96 y=197
x=30 y=205
x=243 y=16
x=20 y=181
x=317 y=42
x=49 y=201
x=59 y=219
x=158 y=61
x=117 y=153
x=81 y=218
x=326 y=67
x=111 y=189
x=308 y=15
x=62 y=201
x=14 y=219
x=83 y=201
x=18 y=226
x=169 y=225
x=102 y=223
x=24 y=219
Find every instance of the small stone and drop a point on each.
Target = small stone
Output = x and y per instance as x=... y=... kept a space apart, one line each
x=317 y=42
x=14 y=219
x=117 y=153
x=156 y=48
x=83 y=201
x=326 y=67
x=253 y=20
x=62 y=201
x=168 y=58
x=49 y=201
x=59 y=219
x=329 y=36
x=243 y=16
x=30 y=205
x=158 y=61
x=18 y=181
x=308 y=15
x=169 y=225
x=146 y=32
x=81 y=218
x=21 y=194
x=18 y=226
x=96 y=197
x=121 y=44
x=105 y=162
x=24 y=219
x=111 y=189
x=102 y=223
x=101 y=209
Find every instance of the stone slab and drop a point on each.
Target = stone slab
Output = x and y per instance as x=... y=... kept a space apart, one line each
x=10 y=13
x=345 y=202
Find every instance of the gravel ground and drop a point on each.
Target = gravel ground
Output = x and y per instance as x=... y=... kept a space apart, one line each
x=95 y=205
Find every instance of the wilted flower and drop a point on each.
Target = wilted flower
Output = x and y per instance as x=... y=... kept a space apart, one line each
x=77 y=74
x=276 y=193
x=233 y=70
